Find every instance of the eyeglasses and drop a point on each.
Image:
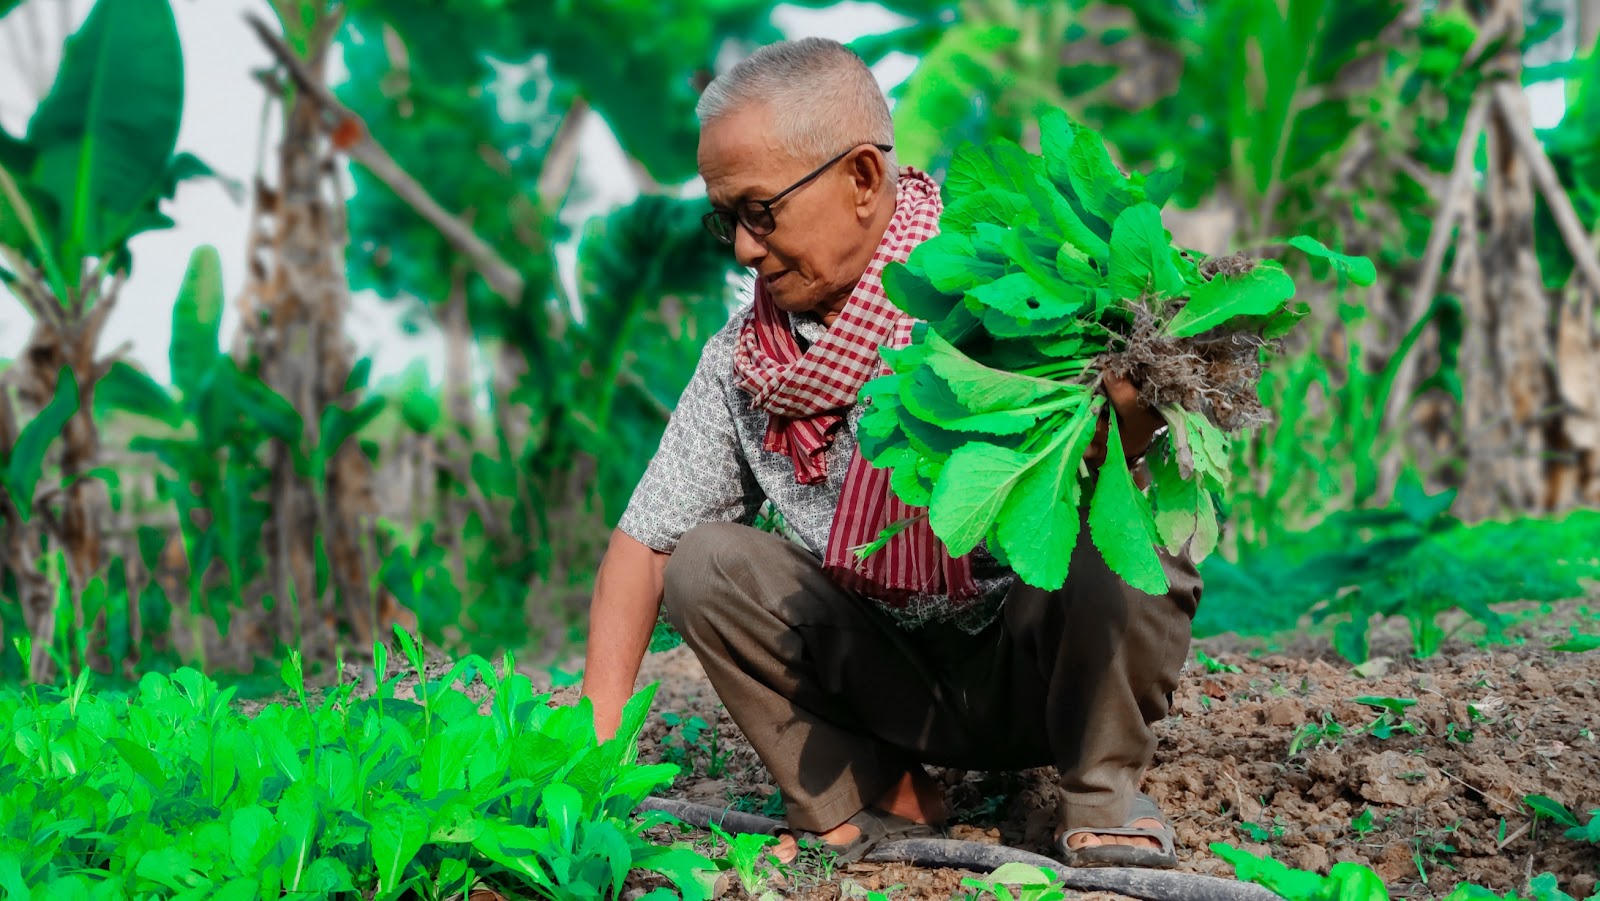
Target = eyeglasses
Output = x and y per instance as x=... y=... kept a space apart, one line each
x=756 y=215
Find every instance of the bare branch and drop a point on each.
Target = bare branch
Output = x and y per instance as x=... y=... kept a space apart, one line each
x=32 y=292
x=101 y=311
x=561 y=160
x=1450 y=207
x=504 y=279
x=1527 y=143
x=104 y=364
x=1444 y=222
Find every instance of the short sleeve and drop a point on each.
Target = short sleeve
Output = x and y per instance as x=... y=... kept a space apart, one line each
x=698 y=473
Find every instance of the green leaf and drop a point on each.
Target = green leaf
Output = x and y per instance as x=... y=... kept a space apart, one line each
x=170 y=866
x=915 y=295
x=254 y=835
x=196 y=320
x=1021 y=296
x=951 y=265
x=931 y=399
x=1259 y=292
x=1018 y=873
x=1551 y=809
x=1160 y=185
x=1184 y=514
x=634 y=714
x=398 y=833
x=419 y=403
x=1360 y=269
x=26 y=463
x=973 y=487
x=106 y=131
x=1589 y=832
x=1141 y=256
x=691 y=873
x=997 y=206
x=1039 y=522
x=260 y=404
x=1285 y=881
x=1120 y=521
x=140 y=759
x=977 y=387
x=1578 y=643
x=1100 y=185
x=131 y=390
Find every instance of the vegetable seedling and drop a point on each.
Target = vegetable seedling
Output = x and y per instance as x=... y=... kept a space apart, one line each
x=1391 y=719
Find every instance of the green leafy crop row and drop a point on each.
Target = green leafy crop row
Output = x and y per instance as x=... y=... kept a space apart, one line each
x=1353 y=882
x=170 y=792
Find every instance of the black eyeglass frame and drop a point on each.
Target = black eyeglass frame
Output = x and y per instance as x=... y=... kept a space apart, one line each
x=730 y=220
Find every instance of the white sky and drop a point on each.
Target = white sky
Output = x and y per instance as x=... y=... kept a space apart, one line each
x=222 y=124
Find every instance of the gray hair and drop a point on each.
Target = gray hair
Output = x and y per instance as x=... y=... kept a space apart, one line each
x=819 y=92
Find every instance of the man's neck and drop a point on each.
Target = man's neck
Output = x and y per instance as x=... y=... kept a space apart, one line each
x=829 y=312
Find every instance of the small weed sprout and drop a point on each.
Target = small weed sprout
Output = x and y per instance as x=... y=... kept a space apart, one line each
x=1364 y=823
x=1314 y=735
x=1431 y=846
x=1016 y=882
x=1391 y=718
x=1264 y=832
x=691 y=738
x=749 y=854
x=1213 y=665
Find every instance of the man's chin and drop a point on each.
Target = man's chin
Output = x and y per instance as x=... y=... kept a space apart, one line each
x=789 y=303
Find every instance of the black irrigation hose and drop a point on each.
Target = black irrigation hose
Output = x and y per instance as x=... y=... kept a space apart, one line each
x=1135 y=882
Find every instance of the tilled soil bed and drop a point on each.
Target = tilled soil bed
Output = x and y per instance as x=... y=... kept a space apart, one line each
x=1426 y=809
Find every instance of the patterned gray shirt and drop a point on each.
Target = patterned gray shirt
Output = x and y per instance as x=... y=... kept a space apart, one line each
x=711 y=466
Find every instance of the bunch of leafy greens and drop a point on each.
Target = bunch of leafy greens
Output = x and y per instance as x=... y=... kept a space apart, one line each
x=173 y=793
x=1049 y=272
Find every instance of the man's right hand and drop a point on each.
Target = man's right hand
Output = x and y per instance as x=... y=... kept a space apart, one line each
x=622 y=616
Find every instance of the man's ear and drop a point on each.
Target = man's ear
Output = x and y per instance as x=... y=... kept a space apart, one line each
x=870 y=178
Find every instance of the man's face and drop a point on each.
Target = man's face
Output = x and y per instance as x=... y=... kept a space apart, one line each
x=813 y=259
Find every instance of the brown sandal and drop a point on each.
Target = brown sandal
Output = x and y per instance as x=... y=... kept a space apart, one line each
x=877 y=827
x=1144 y=807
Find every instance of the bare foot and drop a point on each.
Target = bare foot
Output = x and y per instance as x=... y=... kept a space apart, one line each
x=915 y=796
x=1089 y=839
x=788 y=849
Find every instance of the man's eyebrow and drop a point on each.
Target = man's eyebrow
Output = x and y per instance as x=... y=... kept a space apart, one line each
x=729 y=203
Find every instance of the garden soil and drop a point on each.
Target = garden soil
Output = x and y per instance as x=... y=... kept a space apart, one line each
x=1426 y=809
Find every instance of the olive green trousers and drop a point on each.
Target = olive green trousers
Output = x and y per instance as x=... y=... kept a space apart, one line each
x=840 y=702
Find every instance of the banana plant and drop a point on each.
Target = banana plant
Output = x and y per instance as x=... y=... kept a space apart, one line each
x=217 y=422
x=90 y=172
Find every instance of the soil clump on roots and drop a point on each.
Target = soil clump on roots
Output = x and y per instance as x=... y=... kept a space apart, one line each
x=1215 y=373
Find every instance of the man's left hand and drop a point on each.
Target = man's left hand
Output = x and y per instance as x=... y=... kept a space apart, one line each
x=1137 y=421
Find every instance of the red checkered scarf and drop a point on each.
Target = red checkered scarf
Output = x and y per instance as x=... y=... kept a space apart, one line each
x=808 y=395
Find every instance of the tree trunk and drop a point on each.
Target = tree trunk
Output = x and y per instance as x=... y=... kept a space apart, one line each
x=293 y=331
x=1508 y=393
x=19 y=553
x=1588 y=25
x=458 y=352
x=69 y=337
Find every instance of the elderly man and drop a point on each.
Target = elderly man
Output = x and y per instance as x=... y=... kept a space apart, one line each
x=845 y=688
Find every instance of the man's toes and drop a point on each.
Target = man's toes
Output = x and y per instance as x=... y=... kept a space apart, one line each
x=1140 y=840
x=787 y=850
x=1089 y=840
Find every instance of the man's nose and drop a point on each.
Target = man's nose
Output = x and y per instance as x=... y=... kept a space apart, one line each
x=747 y=248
